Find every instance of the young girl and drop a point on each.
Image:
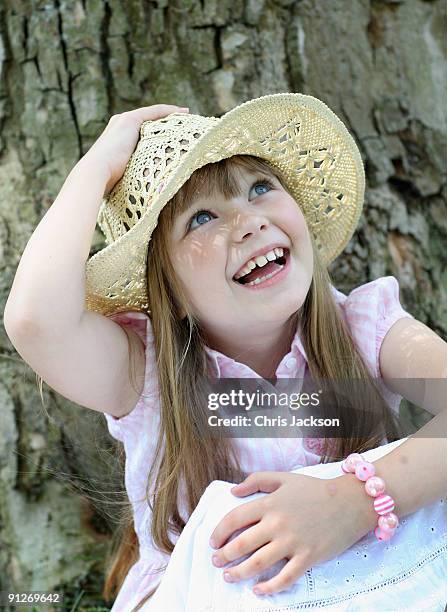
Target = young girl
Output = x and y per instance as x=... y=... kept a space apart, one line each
x=219 y=235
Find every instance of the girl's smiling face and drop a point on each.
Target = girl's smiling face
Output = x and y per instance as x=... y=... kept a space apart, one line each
x=215 y=237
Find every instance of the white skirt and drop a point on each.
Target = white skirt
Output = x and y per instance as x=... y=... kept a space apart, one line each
x=407 y=573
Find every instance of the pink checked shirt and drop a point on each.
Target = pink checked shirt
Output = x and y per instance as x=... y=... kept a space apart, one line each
x=370 y=310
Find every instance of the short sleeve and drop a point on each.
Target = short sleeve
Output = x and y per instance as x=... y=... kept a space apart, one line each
x=370 y=311
x=127 y=429
x=390 y=311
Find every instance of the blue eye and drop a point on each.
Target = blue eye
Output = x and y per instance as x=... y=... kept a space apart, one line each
x=196 y=215
x=260 y=182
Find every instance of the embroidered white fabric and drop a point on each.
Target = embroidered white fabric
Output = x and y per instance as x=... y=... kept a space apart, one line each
x=409 y=572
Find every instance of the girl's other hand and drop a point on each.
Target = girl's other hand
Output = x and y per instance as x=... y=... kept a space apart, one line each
x=305 y=520
x=117 y=142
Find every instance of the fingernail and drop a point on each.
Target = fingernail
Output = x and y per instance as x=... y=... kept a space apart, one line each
x=227 y=577
x=257 y=591
x=184 y=109
x=213 y=543
x=217 y=562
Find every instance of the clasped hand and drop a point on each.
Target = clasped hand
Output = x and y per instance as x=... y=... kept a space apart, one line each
x=305 y=520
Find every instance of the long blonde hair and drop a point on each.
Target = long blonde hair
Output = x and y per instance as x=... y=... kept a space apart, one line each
x=181 y=454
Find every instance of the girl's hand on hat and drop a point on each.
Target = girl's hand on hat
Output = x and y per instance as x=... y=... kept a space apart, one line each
x=117 y=142
x=305 y=520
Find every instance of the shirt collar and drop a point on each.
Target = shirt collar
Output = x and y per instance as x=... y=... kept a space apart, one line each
x=221 y=362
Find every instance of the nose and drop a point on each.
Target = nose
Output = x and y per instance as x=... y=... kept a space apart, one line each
x=245 y=224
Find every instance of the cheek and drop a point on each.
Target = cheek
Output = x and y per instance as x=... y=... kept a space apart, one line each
x=200 y=251
x=194 y=260
x=295 y=222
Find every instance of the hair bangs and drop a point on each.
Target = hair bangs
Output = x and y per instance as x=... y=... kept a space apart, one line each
x=219 y=178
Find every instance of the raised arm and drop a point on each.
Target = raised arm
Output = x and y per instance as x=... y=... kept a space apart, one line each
x=48 y=291
x=82 y=355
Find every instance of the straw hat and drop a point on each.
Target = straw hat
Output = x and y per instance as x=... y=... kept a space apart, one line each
x=297 y=134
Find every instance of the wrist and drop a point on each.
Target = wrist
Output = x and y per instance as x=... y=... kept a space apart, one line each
x=360 y=504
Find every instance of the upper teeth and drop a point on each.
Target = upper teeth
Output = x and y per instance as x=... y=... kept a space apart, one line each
x=259 y=261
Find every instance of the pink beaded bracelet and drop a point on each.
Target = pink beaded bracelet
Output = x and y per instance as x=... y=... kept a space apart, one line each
x=374 y=487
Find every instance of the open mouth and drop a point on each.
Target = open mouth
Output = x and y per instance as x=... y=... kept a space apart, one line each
x=260 y=275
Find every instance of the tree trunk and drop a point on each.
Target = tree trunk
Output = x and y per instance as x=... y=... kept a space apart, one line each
x=66 y=67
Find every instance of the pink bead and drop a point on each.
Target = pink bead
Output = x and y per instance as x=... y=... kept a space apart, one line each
x=383 y=536
x=383 y=504
x=350 y=463
x=365 y=470
x=388 y=522
x=375 y=486
x=385 y=528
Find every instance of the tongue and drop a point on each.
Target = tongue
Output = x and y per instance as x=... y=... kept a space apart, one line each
x=272 y=266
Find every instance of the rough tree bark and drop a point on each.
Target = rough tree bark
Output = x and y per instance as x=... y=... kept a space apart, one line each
x=67 y=66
